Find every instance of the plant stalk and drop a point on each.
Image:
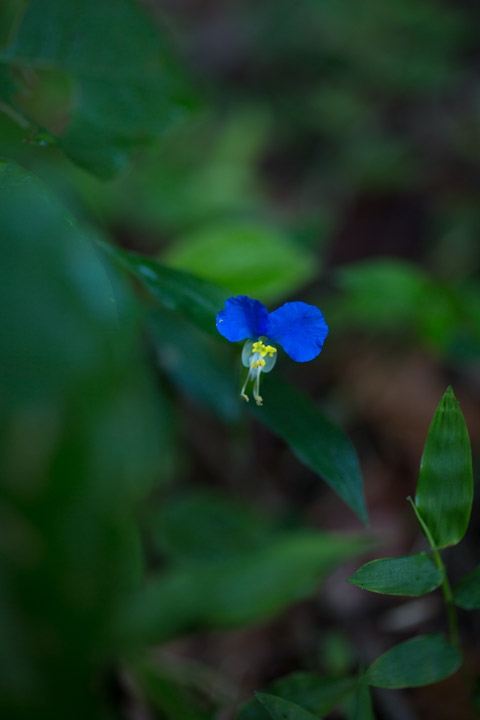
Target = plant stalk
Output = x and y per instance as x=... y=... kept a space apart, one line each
x=446 y=587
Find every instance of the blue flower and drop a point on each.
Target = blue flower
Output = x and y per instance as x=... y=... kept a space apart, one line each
x=300 y=329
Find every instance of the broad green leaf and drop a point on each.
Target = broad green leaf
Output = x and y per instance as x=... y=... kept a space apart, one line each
x=314 y=439
x=32 y=219
x=253 y=587
x=445 y=484
x=79 y=448
x=467 y=593
x=254 y=260
x=197 y=300
x=419 y=661
x=412 y=575
x=126 y=89
x=317 y=693
x=280 y=709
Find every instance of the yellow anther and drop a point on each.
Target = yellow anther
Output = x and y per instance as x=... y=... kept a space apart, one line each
x=262 y=349
x=258 y=363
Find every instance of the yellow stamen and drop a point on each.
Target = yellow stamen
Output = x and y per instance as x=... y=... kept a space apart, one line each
x=254 y=357
x=260 y=347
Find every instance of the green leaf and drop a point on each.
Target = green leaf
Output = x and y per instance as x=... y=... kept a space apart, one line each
x=167 y=694
x=396 y=297
x=445 y=484
x=74 y=465
x=280 y=709
x=317 y=693
x=412 y=575
x=197 y=300
x=127 y=91
x=185 y=527
x=381 y=293
x=363 y=706
x=314 y=439
x=254 y=260
x=467 y=593
x=419 y=661
x=253 y=587
x=196 y=364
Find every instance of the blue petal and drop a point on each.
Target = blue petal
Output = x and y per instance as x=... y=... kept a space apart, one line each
x=300 y=329
x=242 y=318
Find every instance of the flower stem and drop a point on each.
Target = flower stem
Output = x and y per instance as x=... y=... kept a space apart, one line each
x=446 y=588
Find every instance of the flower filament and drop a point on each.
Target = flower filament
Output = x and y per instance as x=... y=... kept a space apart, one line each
x=257 y=357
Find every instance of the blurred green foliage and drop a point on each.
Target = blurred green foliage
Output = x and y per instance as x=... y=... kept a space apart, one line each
x=125 y=91
x=74 y=466
x=229 y=255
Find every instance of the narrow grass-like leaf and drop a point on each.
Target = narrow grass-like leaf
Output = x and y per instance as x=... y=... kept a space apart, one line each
x=202 y=375
x=467 y=592
x=314 y=439
x=197 y=300
x=363 y=707
x=445 y=484
x=412 y=575
x=419 y=661
x=280 y=709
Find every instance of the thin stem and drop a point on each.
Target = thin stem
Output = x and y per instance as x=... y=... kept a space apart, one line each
x=446 y=588
x=242 y=391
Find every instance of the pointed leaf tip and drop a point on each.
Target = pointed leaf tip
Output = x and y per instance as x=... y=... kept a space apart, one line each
x=445 y=484
x=316 y=441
